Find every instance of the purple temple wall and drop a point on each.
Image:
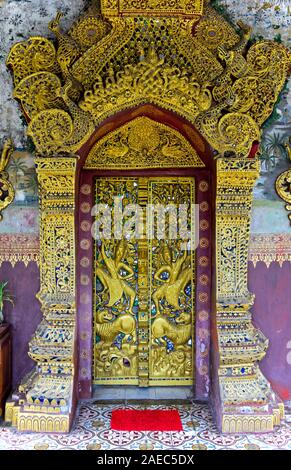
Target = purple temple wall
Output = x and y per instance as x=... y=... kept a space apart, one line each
x=272 y=314
x=25 y=316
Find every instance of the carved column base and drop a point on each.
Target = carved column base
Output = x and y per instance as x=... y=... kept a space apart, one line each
x=248 y=403
x=42 y=404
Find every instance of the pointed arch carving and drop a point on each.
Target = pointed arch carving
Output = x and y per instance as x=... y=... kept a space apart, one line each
x=203 y=71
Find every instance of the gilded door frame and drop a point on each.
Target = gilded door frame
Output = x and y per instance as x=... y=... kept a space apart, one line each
x=203 y=278
x=207 y=81
x=235 y=373
x=205 y=195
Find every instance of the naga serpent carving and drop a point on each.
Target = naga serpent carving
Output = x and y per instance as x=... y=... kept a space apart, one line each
x=178 y=279
x=111 y=278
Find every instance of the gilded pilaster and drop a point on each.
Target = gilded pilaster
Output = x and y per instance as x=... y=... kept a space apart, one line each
x=46 y=400
x=247 y=400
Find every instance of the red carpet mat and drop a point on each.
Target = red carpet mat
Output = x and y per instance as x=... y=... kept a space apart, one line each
x=146 y=420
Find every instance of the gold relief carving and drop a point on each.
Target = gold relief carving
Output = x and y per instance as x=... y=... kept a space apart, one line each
x=168 y=88
x=56 y=130
x=115 y=323
x=49 y=389
x=151 y=7
x=237 y=424
x=143 y=143
x=37 y=54
x=172 y=294
x=223 y=88
x=209 y=80
x=241 y=344
x=134 y=343
x=38 y=92
x=215 y=31
x=88 y=67
x=7 y=192
x=38 y=422
x=89 y=31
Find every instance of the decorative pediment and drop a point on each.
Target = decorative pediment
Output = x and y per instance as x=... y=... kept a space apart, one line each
x=205 y=71
x=143 y=143
x=152 y=7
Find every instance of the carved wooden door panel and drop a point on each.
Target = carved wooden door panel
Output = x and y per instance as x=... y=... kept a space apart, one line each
x=144 y=281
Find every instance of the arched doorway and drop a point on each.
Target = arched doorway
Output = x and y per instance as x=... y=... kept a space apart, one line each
x=147 y=174
x=192 y=62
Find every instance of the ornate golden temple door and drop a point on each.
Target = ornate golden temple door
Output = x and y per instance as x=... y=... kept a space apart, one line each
x=144 y=286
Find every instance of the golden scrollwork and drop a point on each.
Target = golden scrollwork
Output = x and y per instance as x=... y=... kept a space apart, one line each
x=37 y=54
x=143 y=143
x=7 y=192
x=212 y=79
x=151 y=7
x=203 y=69
x=57 y=131
x=148 y=81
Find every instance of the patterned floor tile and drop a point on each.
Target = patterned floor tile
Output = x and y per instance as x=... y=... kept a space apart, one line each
x=92 y=431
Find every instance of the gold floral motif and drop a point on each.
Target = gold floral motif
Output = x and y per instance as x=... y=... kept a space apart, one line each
x=143 y=143
x=151 y=7
x=167 y=87
x=37 y=54
x=210 y=79
x=206 y=73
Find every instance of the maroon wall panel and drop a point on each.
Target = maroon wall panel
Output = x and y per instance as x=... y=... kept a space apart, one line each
x=24 y=316
x=272 y=314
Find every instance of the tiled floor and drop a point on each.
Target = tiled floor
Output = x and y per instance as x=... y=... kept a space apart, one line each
x=92 y=431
